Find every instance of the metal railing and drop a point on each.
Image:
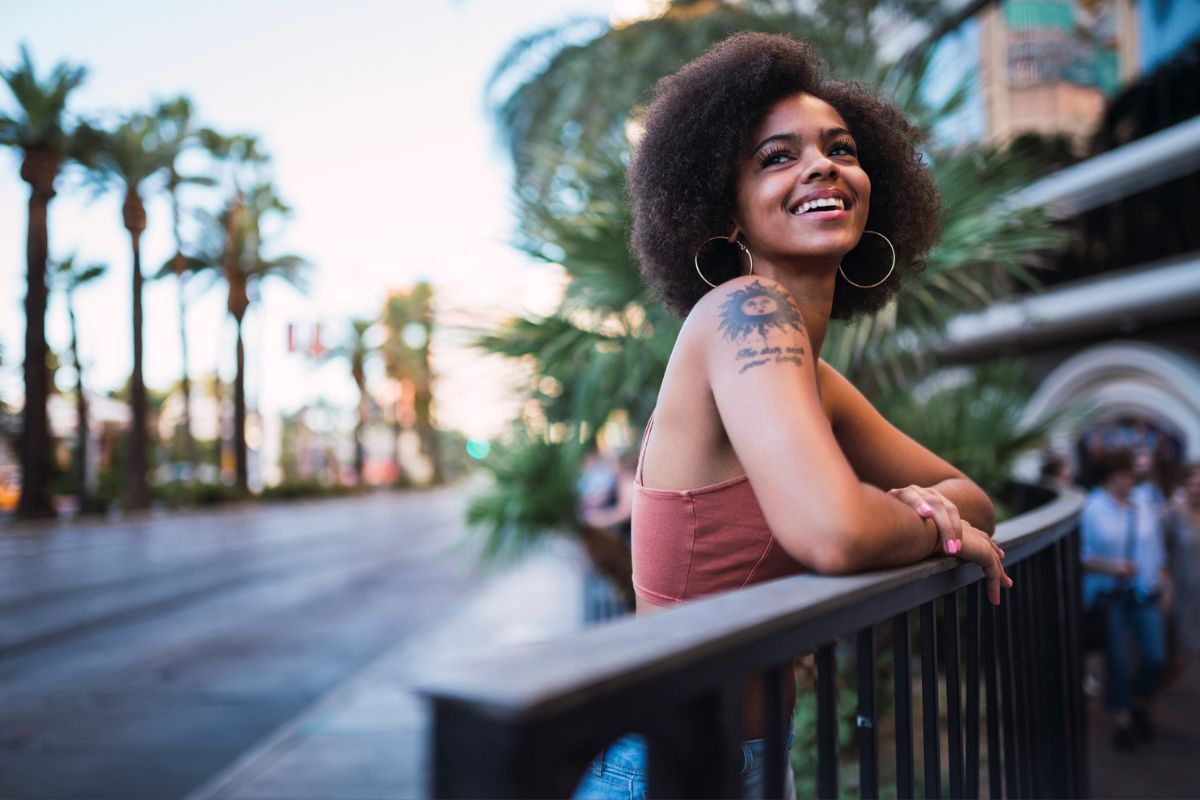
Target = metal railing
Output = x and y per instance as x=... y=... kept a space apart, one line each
x=527 y=721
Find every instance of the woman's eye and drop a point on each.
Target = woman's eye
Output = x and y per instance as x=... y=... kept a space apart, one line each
x=778 y=157
x=846 y=147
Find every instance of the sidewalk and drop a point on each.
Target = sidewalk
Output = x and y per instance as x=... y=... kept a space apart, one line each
x=366 y=740
x=1165 y=768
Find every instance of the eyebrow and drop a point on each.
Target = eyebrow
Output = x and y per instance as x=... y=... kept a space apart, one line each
x=827 y=133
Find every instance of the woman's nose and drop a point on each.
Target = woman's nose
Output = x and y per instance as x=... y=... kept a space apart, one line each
x=821 y=166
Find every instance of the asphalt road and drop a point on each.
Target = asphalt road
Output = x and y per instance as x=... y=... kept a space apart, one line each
x=140 y=658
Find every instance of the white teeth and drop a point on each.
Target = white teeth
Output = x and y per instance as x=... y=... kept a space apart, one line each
x=820 y=202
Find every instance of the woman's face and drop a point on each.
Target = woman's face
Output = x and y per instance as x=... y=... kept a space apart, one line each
x=802 y=151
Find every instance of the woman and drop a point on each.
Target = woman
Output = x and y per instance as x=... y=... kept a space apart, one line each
x=753 y=184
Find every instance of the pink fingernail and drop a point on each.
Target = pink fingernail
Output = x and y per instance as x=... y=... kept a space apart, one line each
x=924 y=509
x=956 y=544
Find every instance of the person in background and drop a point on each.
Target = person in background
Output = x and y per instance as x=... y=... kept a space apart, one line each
x=1124 y=562
x=1056 y=468
x=596 y=486
x=616 y=512
x=1147 y=490
x=1183 y=538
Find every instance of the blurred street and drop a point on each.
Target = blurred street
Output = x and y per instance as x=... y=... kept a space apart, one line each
x=138 y=659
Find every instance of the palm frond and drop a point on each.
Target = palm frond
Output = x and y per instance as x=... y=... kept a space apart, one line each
x=533 y=496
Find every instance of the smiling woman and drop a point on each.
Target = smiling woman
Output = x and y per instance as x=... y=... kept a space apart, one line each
x=760 y=460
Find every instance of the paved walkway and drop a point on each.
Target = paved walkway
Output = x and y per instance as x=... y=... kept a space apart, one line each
x=367 y=740
x=1167 y=767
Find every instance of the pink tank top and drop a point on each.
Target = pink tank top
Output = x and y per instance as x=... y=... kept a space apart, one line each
x=692 y=542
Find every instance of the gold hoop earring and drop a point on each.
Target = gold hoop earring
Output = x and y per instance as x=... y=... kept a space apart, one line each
x=885 y=277
x=696 y=258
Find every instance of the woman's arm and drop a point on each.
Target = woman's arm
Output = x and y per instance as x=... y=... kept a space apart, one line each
x=886 y=457
x=763 y=378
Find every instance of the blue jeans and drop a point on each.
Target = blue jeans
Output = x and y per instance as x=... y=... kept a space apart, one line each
x=1143 y=619
x=619 y=772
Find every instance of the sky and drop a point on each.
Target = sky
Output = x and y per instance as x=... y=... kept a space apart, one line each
x=374 y=115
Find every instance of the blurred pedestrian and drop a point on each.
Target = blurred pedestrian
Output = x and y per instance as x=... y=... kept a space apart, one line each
x=1056 y=469
x=616 y=510
x=597 y=484
x=1183 y=537
x=1124 y=564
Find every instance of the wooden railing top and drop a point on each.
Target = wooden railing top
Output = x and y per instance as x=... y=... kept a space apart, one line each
x=752 y=628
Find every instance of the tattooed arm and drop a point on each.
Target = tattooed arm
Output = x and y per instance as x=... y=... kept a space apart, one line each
x=763 y=378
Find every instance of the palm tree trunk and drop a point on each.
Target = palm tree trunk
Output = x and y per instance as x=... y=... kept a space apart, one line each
x=400 y=478
x=360 y=454
x=81 y=408
x=427 y=433
x=138 y=489
x=239 y=415
x=185 y=383
x=38 y=169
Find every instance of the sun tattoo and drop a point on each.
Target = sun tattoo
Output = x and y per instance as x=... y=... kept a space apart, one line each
x=759 y=308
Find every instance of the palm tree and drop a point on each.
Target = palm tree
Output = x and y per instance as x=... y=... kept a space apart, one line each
x=408 y=317
x=68 y=278
x=127 y=156
x=356 y=349
x=178 y=133
x=232 y=245
x=45 y=140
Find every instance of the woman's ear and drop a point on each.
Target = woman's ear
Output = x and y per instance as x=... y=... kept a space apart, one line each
x=735 y=234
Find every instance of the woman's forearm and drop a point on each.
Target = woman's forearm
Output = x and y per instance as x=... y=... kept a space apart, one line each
x=883 y=533
x=973 y=503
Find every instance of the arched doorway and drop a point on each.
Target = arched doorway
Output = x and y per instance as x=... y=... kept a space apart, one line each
x=1139 y=395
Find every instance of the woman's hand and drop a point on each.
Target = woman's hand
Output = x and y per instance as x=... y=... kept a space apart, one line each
x=978 y=548
x=930 y=503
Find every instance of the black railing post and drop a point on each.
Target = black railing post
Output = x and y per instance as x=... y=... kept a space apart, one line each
x=1008 y=694
x=953 y=693
x=1074 y=635
x=868 y=737
x=902 y=663
x=1026 y=678
x=929 y=703
x=697 y=752
x=995 y=747
x=775 y=756
x=971 y=789
x=827 y=738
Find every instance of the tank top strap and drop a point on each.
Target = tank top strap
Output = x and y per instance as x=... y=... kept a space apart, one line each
x=637 y=478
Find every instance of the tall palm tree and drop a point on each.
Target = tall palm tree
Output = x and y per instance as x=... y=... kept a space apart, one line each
x=129 y=155
x=179 y=133
x=68 y=278
x=408 y=318
x=355 y=348
x=232 y=246
x=40 y=131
